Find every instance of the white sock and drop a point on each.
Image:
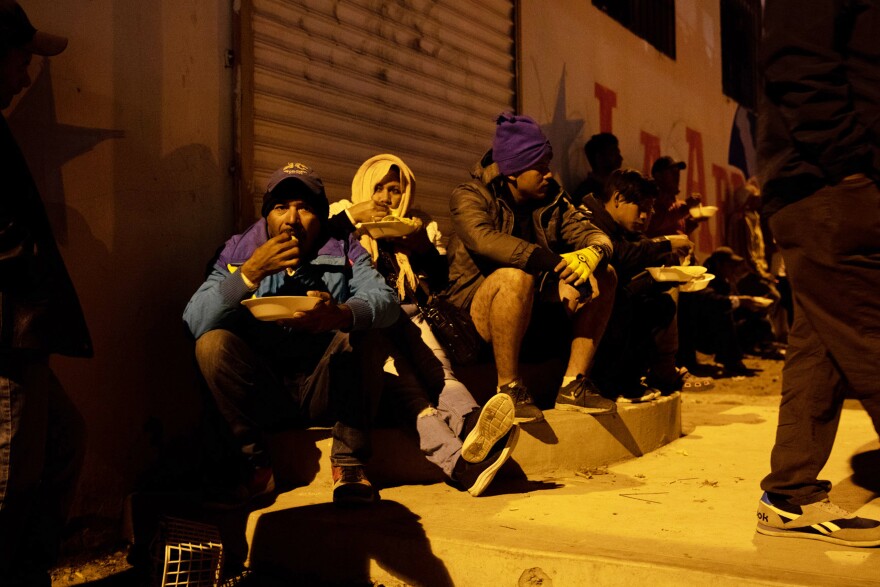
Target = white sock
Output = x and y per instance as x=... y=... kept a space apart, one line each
x=568 y=379
x=516 y=381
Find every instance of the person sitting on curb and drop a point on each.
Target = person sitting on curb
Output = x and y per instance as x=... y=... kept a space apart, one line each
x=708 y=318
x=671 y=215
x=603 y=154
x=468 y=444
x=321 y=365
x=643 y=308
x=518 y=244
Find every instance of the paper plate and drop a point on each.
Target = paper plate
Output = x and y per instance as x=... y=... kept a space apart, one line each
x=388 y=228
x=279 y=307
x=678 y=273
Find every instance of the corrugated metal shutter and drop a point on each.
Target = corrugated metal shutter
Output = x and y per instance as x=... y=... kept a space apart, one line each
x=335 y=82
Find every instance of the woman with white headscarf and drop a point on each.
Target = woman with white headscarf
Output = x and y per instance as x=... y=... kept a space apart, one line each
x=467 y=443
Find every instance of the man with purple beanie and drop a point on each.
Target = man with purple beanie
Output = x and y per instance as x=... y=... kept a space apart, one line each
x=521 y=251
x=322 y=365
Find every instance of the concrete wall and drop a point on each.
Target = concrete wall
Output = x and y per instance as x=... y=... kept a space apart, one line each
x=128 y=133
x=574 y=57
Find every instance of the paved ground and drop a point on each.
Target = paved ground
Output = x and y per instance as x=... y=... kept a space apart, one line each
x=681 y=515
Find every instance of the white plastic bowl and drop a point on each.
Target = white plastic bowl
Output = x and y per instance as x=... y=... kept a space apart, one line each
x=678 y=273
x=697 y=284
x=279 y=307
x=703 y=211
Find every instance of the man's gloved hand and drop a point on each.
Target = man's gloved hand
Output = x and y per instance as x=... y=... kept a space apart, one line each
x=577 y=266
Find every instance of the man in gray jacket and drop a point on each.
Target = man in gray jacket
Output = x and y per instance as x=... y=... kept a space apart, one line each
x=519 y=246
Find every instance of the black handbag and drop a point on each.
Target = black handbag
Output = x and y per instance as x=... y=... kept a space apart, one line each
x=453 y=329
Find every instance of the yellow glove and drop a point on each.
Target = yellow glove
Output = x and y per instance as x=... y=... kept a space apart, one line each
x=583 y=262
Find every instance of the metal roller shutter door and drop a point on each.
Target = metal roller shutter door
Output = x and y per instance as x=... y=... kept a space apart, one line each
x=335 y=82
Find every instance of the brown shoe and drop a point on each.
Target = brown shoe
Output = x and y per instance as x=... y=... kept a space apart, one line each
x=351 y=486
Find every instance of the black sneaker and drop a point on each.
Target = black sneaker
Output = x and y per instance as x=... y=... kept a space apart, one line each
x=525 y=412
x=582 y=395
x=351 y=486
x=817 y=521
x=481 y=433
x=476 y=477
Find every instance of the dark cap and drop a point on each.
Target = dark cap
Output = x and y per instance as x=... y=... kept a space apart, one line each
x=725 y=254
x=18 y=32
x=306 y=177
x=666 y=162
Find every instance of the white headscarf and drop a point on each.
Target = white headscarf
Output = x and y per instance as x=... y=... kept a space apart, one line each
x=370 y=174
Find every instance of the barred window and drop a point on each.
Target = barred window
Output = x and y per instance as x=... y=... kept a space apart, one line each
x=740 y=35
x=652 y=20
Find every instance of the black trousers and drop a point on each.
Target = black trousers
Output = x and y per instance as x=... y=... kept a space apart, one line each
x=831 y=245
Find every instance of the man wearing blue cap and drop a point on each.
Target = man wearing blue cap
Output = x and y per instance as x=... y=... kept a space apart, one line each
x=319 y=365
x=521 y=248
x=41 y=432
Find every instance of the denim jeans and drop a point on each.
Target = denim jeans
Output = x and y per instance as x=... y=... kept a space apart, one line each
x=420 y=383
x=831 y=245
x=257 y=395
x=42 y=438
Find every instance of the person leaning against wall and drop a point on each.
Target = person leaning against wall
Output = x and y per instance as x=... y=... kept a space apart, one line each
x=41 y=432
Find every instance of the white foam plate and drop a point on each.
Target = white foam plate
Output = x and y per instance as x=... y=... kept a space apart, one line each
x=697 y=283
x=762 y=301
x=279 y=307
x=388 y=228
x=678 y=273
x=703 y=211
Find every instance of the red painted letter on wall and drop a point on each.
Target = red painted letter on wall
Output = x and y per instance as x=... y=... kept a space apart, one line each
x=722 y=196
x=607 y=102
x=696 y=182
x=652 y=151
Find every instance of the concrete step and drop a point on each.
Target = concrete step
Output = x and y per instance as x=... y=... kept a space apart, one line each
x=566 y=441
x=303 y=521
x=682 y=514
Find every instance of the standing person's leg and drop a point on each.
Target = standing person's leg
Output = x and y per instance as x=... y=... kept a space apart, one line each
x=41 y=450
x=501 y=311
x=831 y=245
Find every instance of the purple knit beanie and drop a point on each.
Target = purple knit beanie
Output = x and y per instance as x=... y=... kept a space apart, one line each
x=518 y=144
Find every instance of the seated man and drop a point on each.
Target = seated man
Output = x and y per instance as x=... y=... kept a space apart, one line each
x=715 y=321
x=643 y=308
x=519 y=242
x=318 y=366
x=603 y=154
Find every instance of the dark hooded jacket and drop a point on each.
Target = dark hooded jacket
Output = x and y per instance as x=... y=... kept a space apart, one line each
x=484 y=224
x=39 y=308
x=819 y=118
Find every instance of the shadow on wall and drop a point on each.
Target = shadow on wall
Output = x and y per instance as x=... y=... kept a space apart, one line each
x=165 y=215
x=48 y=145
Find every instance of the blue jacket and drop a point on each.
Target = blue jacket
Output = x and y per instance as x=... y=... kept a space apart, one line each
x=341 y=267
